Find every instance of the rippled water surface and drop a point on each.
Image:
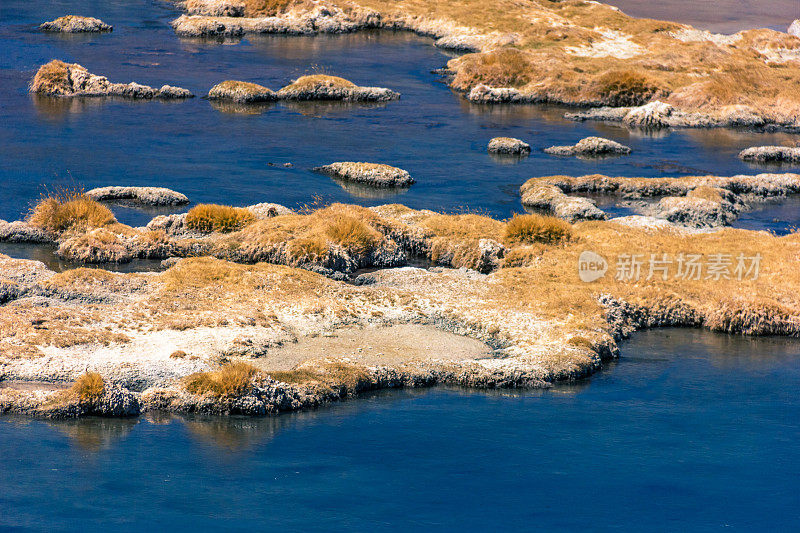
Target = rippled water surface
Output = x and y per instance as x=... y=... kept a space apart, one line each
x=688 y=431
x=229 y=154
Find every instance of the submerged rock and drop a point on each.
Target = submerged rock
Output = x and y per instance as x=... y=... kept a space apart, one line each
x=323 y=87
x=771 y=154
x=241 y=92
x=508 y=145
x=215 y=8
x=141 y=195
x=373 y=174
x=57 y=78
x=76 y=24
x=590 y=146
x=571 y=208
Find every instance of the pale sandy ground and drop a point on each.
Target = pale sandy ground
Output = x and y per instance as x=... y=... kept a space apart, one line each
x=377 y=346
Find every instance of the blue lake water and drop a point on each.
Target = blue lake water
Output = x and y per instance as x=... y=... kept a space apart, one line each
x=221 y=155
x=689 y=431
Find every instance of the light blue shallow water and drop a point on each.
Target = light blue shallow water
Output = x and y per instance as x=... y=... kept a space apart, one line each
x=689 y=431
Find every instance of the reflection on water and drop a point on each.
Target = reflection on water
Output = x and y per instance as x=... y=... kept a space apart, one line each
x=365 y=191
x=255 y=108
x=46 y=253
x=673 y=428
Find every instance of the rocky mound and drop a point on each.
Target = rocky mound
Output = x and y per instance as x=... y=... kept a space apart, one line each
x=241 y=92
x=771 y=154
x=373 y=174
x=551 y=199
x=323 y=87
x=590 y=147
x=215 y=8
x=76 y=24
x=140 y=195
x=508 y=145
x=57 y=78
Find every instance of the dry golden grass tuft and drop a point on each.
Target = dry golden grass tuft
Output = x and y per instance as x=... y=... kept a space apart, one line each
x=268 y=8
x=230 y=381
x=177 y=354
x=52 y=79
x=88 y=388
x=626 y=88
x=529 y=229
x=325 y=374
x=505 y=67
x=69 y=210
x=222 y=218
x=352 y=234
x=705 y=192
x=314 y=80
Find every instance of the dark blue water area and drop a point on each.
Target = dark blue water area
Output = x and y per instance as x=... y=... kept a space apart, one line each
x=224 y=154
x=689 y=431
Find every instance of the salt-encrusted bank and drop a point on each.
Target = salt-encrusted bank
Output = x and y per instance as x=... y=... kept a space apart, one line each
x=57 y=78
x=694 y=201
x=648 y=73
x=209 y=335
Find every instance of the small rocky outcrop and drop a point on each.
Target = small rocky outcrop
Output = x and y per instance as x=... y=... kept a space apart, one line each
x=241 y=92
x=653 y=115
x=323 y=87
x=215 y=8
x=552 y=199
x=138 y=195
x=21 y=231
x=268 y=210
x=76 y=24
x=509 y=145
x=373 y=174
x=115 y=402
x=771 y=154
x=794 y=28
x=57 y=78
x=590 y=147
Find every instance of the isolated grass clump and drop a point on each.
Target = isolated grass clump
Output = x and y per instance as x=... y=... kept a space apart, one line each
x=626 y=88
x=88 y=388
x=529 y=229
x=222 y=218
x=229 y=381
x=69 y=210
x=52 y=79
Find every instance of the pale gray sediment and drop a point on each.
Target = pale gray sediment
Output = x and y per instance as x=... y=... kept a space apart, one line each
x=140 y=195
x=372 y=174
x=771 y=154
x=590 y=147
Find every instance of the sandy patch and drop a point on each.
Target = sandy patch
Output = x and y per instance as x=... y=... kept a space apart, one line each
x=377 y=346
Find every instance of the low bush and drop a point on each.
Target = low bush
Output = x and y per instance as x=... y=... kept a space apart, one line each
x=69 y=210
x=222 y=218
x=229 y=381
x=528 y=229
x=626 y=88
